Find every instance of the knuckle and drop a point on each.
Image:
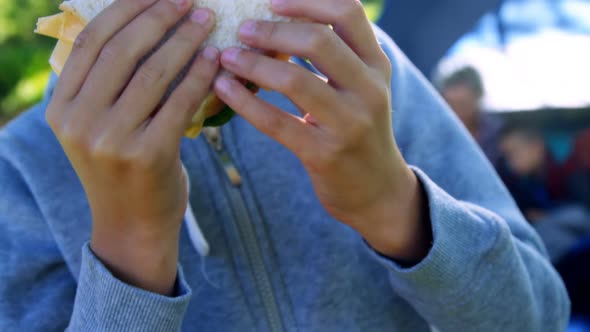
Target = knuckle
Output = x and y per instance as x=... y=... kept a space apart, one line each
x=353 y=9
x=136 y=5
x=292 y=81
x=143 y=158
x=274 y=124
x=184 y=99
x=103 y=149
x=188 y=37
x=150 y=74
x=203 y=71
x=162 y=14
x=85 y=39
x=320 y=38
x=191 y=92
x=53 y=118
x=250 y=63
x=157 y=11
x=268 y=30
x=250 y=103
x=111 y=52
x=73 y=134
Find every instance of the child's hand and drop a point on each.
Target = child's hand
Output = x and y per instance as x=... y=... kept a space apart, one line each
x=345 y=138
x=123 y=143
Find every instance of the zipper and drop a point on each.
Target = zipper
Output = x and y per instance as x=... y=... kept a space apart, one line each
x=243 y=223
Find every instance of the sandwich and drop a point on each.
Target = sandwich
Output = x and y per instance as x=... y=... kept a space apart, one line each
x=75 y=14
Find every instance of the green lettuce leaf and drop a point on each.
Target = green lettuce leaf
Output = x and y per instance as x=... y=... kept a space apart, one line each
x=226 y=113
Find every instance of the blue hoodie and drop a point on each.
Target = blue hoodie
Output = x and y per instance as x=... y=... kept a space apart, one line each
x=270 y=258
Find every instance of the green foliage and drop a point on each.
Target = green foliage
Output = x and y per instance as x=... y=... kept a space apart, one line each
x=18 y=61
x=373 y=8
x=17 y=18
x=23 y=55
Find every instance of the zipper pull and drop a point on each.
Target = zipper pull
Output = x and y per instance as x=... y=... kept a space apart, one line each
x=215 y=140
x=213 y=136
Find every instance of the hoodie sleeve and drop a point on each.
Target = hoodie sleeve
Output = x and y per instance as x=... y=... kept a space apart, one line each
x=39 y=293
x=487 y=269
x=102 y=300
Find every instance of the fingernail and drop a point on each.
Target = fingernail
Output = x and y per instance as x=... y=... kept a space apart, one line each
x=248 y=29
x=224 y=85
x=231 y=55
x=210 y=53
x=201 y=16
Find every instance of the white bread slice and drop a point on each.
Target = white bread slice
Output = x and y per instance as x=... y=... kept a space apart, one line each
x=229 y=15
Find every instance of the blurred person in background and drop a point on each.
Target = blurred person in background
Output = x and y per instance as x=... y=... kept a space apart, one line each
x=554 y=196
x=527 y=169
x=463 y=90
x=551 y=194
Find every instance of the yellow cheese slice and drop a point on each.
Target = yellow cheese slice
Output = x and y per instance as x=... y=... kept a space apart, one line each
x=51 y=26
x=59 y=56
x=64 y=27
x=211 y=104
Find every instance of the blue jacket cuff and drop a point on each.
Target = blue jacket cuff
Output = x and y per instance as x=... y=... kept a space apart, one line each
x=454 y=263
x=104 y=303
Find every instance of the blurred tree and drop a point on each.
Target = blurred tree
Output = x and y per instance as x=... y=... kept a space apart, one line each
x=374 y=8
x=23 y=55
